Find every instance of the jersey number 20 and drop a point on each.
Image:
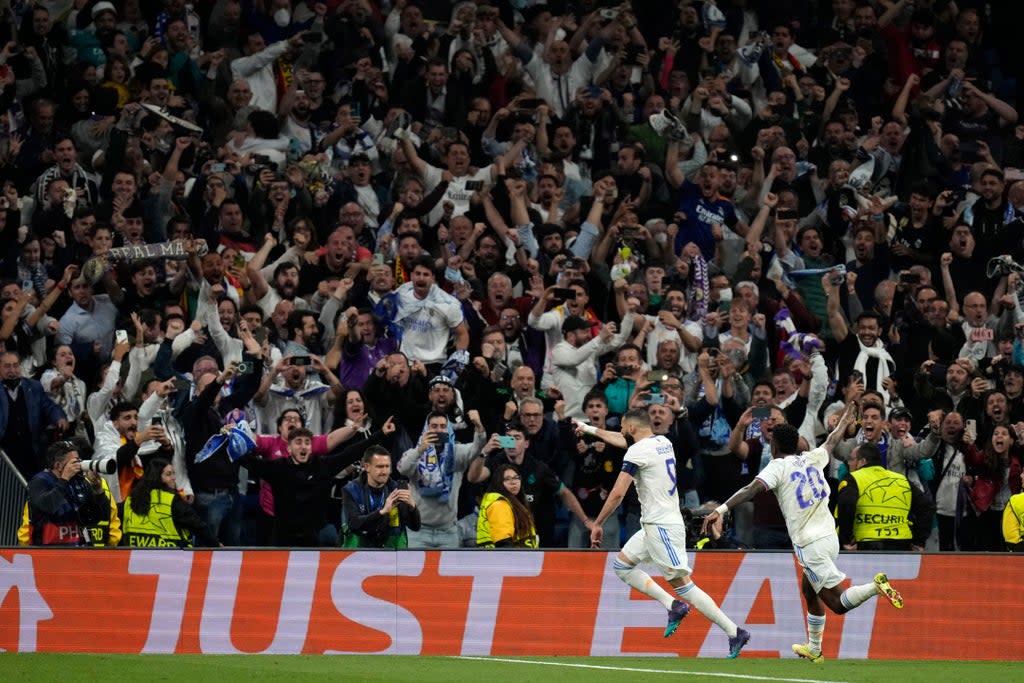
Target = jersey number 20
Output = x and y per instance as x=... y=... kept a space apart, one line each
x=809 y=479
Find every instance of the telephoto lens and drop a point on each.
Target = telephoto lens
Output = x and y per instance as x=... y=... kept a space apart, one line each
x=100 y=465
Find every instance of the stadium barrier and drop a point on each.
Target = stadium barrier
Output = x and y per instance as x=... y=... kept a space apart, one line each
x=13 y=494
x=482 y=603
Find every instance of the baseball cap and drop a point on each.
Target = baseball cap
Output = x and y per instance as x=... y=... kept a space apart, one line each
x=574 y=323
x=900 y=412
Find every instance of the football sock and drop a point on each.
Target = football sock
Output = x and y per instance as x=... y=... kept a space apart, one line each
x=855 y=596
x=706 y=606
x=815 y=630
x=643 y=582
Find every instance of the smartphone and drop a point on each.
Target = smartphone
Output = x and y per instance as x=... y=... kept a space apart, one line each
x=572 y=264
x=245 y=367
x=507 y=441
x=356 y=110
x=971 y=427
x=761 y=413
x=378 y=259
x=621 y=370
x=261 y=159
x=300 y=361
x=218 y=167
x=239 y=261
x=857 y=377
x=312 y=37
x=565 y=293
x=157 y=421
x=657 y=376
x=712 y=353
x=120 y=337
x=910 y=278
x=529 y=103
x=633 y=53
x=656 y=399
x=474 y=185
x=630 y=231
x=609 y=13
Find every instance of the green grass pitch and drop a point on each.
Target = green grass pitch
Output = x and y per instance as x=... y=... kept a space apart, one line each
x=210 y=669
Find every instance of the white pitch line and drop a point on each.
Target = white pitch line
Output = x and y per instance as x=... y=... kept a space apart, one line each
x=631 y=669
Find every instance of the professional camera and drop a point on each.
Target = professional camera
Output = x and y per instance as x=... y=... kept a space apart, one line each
x=100 y=465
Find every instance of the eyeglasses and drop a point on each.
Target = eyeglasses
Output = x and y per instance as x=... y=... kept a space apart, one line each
x=515 y=478
x=531 y=414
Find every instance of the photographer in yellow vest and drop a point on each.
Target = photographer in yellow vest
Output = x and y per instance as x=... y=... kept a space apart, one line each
x=155 y=516
x=879 y=509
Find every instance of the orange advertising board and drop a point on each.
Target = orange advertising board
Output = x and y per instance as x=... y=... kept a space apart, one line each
x=481 y=603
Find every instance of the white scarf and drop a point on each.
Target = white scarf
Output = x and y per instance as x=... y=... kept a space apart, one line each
x=877 y=351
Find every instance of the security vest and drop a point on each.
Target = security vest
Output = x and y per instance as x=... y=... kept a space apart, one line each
x=883 y=505
x=156 y=528
x=1014 y=512
x=483 y=525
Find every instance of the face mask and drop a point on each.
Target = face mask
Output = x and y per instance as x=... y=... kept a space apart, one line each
x=282 y=17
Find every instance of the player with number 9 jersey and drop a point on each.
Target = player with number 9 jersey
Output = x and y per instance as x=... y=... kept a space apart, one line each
x=799 y=484
x=652 y=464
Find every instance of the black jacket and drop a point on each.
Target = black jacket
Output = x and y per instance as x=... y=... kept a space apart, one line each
x=301 y=491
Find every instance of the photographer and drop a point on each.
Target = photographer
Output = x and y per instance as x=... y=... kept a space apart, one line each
x=377 y=511
x=63 y=501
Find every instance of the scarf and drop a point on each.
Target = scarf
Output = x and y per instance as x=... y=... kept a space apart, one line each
x=716 y=427
x=699 y=289
x=883 y=444
x=789 y=277
x=884 y=360
x=236 y=434
x=436 y=470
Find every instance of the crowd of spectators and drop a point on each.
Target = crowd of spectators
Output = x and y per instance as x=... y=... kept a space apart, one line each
x=405 y=248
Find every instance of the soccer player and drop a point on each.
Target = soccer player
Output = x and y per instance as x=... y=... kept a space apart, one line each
x=661 y=540
x=800 y=486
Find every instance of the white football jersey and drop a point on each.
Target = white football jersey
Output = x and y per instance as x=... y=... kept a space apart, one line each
x=652 y=463
x=799 y=483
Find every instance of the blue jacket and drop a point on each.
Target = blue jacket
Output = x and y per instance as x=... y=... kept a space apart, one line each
x=42 y=411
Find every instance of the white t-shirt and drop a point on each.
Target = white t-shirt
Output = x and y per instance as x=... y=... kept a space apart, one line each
x=427 y=323
x=456 y=193
x=652 y=463
x=799 y=484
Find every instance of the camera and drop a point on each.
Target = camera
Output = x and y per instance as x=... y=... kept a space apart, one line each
x=245 y=367
x=572 y=264
x=100 y=465
x=296 y=361
x=622 y=370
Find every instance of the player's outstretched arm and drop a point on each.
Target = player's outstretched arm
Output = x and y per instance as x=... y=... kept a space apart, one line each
x=716 y=516
x=839 y=433
x=611 y=438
